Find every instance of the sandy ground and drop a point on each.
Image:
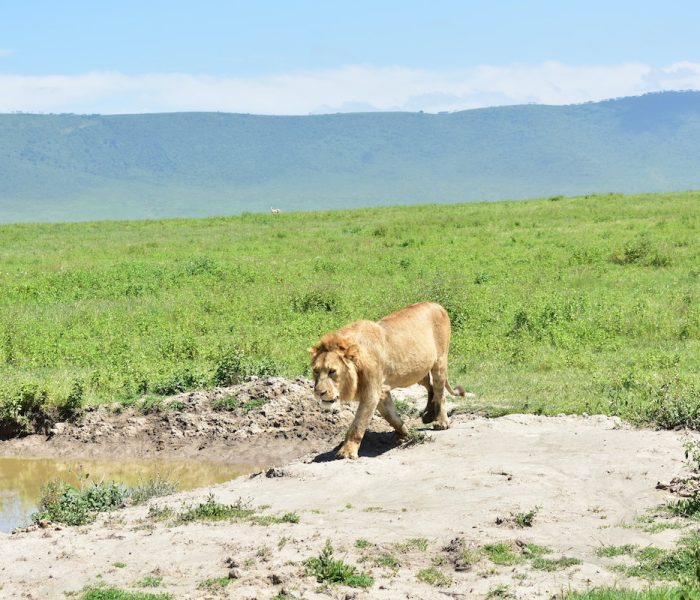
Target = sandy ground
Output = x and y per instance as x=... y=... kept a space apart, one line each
x=590 y=477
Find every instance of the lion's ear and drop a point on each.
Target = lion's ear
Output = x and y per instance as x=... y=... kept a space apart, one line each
x=352 y=353
x=312 y=350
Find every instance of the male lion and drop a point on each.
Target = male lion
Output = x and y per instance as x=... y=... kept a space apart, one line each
x=365 y=360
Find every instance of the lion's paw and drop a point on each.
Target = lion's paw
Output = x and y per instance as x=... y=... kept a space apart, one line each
x=349 y=453
x=441 y=425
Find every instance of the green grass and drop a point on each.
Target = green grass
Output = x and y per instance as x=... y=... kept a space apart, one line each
x=328 y=569
x=584 y=304
x=65 y=503
x=500 y=591
x=215 y=583
x=612 y=551
x=681 y=563
x=501 y=554
x=150 y=581
x=113 y=593
x=549 y=564
x=434 y=577
x=386 y=560
x=650 y=594
x=212 y=510
x=419 y=543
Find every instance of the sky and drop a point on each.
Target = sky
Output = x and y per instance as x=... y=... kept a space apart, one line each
x=307 y=57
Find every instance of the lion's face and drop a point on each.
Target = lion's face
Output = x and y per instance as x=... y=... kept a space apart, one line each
x=335 y=378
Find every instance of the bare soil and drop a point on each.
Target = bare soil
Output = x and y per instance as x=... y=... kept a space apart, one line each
x=592 y=482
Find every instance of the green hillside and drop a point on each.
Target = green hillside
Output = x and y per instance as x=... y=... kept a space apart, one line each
x=582 y=304
x=83 y=167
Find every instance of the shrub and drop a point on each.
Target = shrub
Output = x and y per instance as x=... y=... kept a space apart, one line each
x=319 y=300
x=22 y=410
x=328 y=569
x=235 y=366
x=180 y=381
x=64 y=503
x=641 y=252
x=73 y=403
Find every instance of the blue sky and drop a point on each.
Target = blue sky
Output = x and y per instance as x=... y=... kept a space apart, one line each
x=299 y=57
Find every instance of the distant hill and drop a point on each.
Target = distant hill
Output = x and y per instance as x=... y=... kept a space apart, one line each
x=80 y=167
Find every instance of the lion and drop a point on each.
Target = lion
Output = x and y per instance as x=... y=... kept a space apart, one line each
x=365 y=360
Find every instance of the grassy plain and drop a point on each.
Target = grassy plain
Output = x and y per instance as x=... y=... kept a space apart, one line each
x=558 y=305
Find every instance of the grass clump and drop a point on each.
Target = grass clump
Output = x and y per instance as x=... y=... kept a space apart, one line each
x=548 y=564
x=500 y=591
x=501 y=554
x=681 y=563
x=419 y=543
x=362 y=543
x=678 y=593
x=525 y=519
x=158 y=513
x=328 y=569
x=113 y=593
x=613 y=551
x=416 y=437
x=155 y=487
x=434 y=577
x=212 y=510
x=150 y=581
x=229 y=403
x=386 y=560
x=214 y=583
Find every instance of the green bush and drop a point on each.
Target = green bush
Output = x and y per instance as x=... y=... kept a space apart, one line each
x=235 y=366
x=328 y=569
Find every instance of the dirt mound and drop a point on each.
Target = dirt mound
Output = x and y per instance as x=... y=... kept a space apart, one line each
x=262 y=420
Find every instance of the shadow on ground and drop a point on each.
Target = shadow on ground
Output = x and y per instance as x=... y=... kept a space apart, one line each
x=373 y=444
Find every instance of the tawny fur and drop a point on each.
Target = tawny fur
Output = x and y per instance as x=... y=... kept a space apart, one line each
x=365 y=360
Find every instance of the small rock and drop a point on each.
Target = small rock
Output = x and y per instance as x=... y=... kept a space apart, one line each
x=234 y=574
x=231 y=562
x=275 y=472
x=275 y=579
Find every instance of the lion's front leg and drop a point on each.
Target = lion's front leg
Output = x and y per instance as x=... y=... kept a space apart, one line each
x=368 y=403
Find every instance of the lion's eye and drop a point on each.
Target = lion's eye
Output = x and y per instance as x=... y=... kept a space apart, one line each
x=331 y=373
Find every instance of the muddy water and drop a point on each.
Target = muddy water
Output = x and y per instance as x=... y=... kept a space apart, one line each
x=21 y=479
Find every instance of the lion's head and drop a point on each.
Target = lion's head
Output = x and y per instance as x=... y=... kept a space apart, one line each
x=334 y=361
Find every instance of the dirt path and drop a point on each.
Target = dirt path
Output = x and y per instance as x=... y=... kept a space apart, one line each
x=590 y=477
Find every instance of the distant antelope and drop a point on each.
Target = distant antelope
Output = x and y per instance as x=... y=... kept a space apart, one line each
x=275 y=211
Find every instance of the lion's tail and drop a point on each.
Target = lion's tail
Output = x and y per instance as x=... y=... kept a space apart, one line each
x=458 y=391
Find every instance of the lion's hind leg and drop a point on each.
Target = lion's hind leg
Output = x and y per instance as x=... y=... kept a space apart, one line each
x=429 y=413
x=387 y=409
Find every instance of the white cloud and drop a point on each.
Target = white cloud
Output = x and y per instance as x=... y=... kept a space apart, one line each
x=344 y=89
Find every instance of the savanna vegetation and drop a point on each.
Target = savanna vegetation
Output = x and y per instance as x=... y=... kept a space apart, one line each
x=588 y=304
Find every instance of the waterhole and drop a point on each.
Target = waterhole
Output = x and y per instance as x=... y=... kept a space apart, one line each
x=22 y=479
